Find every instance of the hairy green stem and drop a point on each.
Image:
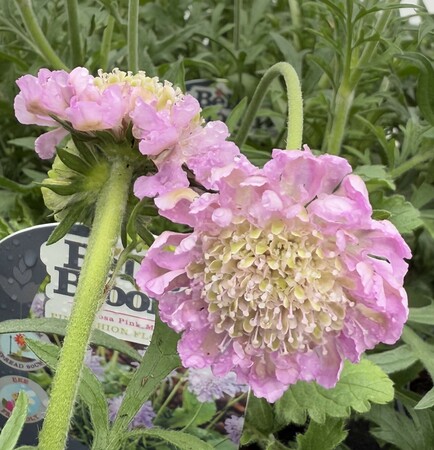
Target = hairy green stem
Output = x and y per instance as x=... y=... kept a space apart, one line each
x=295 y=105
x=133 y=35
x=344 y=96
x=110 y=209
x=74 y=32
x=38 y=37
x=106 y=43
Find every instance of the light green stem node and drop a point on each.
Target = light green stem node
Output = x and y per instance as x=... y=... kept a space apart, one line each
x=133 y=35
x=110 y=209
x=38 y=37
x=295 y=105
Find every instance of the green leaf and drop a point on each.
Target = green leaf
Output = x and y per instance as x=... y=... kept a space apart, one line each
x=260 y=414
x=160 y=359
x=183 y=441
x=25 y=142
x=359 y=385
x=421 y=349
x=402 y=213
x=415 y=433
x=11 y=431
x=375 y=175
x=236 y=114
x=192 y=412
x=176 y=74
x=427 y=400
x=90 y=391
x=394 y=360
x=12 y=186
x=423 y=195
x=325 y=436
x=424 y=315
x=58 y=326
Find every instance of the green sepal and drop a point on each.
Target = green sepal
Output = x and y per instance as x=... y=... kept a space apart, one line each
x=63 y=188
x=74 y=162
x=75 y=213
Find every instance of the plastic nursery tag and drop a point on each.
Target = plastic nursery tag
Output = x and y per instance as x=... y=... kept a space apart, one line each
x=37 y=280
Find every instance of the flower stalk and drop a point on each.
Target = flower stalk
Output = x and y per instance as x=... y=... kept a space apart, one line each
x=110 y=209
x=295 y=105
x=74 y=32
x=133 y=35
x=37 y=35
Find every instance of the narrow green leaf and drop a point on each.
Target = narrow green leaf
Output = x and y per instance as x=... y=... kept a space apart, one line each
x=424 y=315
x=427 y=400
x=415 y=433
x=11 y=431
x=421 y=349
x=326 y=436
x=160 y=359
x=394 y=360
x=12 y=186
x=359 y=385
x=90 y=391
x=183 y=441
x=58 y=326
x=25 y=142
x=236 y=114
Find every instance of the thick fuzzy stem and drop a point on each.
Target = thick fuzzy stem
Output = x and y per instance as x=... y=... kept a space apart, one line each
x=295 y=105
x=110 y=209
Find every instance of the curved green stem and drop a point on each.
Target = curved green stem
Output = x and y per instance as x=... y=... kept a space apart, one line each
x=295 y=105
x=39 y=39
x=106 y=43
x=110 y=209
x=133 y=35
x=74 y=32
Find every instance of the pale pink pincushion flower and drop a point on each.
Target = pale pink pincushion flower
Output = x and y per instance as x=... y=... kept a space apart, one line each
x=284 y=277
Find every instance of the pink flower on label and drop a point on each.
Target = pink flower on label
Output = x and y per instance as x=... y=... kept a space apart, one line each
x=285 y=275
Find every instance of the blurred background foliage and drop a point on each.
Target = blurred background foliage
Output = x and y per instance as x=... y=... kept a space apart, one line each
x=367 y=77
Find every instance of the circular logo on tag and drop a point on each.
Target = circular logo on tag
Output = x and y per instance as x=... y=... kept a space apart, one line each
x=15 y=352
x=11 y=386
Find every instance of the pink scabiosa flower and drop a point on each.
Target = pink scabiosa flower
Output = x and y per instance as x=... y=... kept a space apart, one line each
x=285 y=275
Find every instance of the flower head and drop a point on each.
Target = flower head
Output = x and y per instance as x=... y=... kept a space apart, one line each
x=94 y=363
x=284 y=276
x=234 y=427
x=143 y=418
x=208 y=387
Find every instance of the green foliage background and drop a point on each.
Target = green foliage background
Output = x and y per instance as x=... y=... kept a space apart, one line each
x=367 y=76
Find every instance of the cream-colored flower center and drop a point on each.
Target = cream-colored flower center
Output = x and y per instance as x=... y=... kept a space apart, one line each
x=147 y=88
x=281 y=289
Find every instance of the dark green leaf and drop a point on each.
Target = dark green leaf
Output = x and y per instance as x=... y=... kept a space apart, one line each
x=394 y=360
x=359 y=385
x=325 y=436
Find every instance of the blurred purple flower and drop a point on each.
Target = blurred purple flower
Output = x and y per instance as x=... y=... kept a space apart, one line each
x=234 y=428
x=94 y=363
x=38 y=305
x=208 y=387
x=143 y=418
